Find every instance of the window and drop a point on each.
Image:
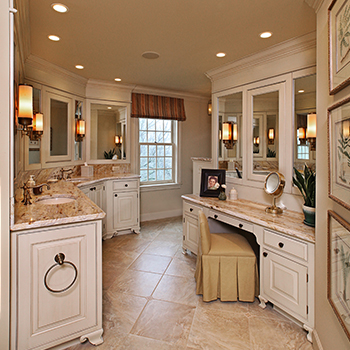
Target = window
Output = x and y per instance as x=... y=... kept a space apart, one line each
x=158 y=151
x=302 y=149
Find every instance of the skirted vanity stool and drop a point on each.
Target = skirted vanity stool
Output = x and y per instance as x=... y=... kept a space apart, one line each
x=226 y=266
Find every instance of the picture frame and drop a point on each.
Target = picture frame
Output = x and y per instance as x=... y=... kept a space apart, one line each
x=339 y=152
x=338 y=268
x=211 y=179
x=339 y=45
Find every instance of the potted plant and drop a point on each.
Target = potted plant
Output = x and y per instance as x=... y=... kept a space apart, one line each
x=306 y=184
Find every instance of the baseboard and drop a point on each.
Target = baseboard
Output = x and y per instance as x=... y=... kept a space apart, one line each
x=161 y=215
x=316 y=341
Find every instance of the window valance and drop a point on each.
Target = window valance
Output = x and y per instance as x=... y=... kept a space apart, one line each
x=157 y=107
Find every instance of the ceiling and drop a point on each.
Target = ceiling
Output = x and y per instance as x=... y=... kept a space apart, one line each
x=108 y=37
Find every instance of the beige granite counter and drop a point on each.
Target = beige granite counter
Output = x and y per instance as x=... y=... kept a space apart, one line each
x=289 y=222
x=88 y=180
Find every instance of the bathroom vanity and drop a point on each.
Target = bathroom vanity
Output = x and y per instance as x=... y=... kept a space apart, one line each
x=286 y=251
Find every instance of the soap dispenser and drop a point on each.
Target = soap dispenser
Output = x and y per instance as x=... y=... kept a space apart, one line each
x=31 y=181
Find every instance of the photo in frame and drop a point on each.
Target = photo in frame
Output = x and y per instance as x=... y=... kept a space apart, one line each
x=211 y=180
x=339 y=152
x=339 y=45
x=338 y=268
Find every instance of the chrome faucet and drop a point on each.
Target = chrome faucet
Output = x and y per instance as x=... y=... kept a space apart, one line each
x=39 y=189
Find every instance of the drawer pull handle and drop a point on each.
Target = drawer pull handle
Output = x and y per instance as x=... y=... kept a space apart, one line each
x=215 y=216
x=240 y=225
x=281 y=244
x=191 y=209
x=59 y=259
x=265 y=254
x=116 y=195
x=126 y=185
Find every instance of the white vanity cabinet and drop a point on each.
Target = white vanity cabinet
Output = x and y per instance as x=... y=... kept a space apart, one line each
x=122 y=206
x=56 y=276
x=96 y=192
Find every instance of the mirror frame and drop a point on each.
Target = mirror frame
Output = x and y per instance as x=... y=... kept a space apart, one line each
x=127 y=105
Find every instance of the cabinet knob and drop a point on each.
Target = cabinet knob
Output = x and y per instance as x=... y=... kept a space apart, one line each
x=191 y=209
x=215 y=216
x=126 y=185
x=240 y=225
x=91 y=188
x=265 y=254
x=281 y=244
x=116 y=195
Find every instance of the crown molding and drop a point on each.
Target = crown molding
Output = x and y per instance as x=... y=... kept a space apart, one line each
x=274 y=53
x=36 y=63
x=315 y=4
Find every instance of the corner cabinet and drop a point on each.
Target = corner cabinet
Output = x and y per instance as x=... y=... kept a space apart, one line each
x=286 y=261
x=56 y=285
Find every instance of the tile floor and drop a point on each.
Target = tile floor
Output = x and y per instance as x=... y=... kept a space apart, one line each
x=149 y=301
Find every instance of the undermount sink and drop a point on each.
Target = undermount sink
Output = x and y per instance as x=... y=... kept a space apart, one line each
x=56 y=200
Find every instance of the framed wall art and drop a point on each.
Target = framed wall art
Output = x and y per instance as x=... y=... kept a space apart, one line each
x=211 y=180
x=339 y=152
x=338 y=276
x=339 y=45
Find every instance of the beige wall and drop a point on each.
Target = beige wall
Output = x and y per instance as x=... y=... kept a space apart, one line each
x=195 y=142
x=4 y=175
x=328 y=328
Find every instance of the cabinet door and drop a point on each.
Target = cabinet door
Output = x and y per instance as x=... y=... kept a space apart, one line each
x=125 y=210
x=285 y=283
x=98 y=196
x=191 y=233
x=45 y=317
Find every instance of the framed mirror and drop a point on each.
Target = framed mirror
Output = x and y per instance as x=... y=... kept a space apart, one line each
x=230 y=134
x=274 y=185
x=107 y=129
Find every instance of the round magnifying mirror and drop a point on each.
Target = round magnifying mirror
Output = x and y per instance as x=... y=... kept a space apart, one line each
x=274 y=185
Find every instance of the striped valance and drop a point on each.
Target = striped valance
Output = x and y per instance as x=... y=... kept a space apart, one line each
x=157 y=107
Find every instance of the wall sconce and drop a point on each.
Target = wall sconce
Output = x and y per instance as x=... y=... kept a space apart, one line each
x=80 y=130
x=229 y=134
x=311 y=130
x=346 y=129
x=209 y=108
x=37 y=128
x=118 y=140
x=271 y=136
x=302 y=136
x=256 y=141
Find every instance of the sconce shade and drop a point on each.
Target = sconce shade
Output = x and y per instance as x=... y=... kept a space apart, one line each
x=38 y=122
x=209 y=108
x=81 y=127
x=120 y=139
x=301 y=134
x=271 y=134
x=116 y=139
x=227 y=131
x=25 y=104
x=311 y=126
x=235 y=132
x=346 y=128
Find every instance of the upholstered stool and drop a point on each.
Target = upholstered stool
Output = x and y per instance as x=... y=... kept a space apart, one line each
x=226 y=266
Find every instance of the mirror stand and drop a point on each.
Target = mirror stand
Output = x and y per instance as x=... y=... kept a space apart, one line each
x=274 y=209
x=274 y=185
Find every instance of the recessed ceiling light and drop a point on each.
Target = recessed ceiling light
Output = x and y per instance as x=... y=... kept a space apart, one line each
x=117 y=79
x=265 y=35
x=220 y=54
x=301 y=91
x=59 y=7
x=151 y=55
x=109 y=107
x=79 y=66
x=54 y=38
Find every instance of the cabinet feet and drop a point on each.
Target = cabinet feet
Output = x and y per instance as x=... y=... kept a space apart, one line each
x=263 y=301
x=95 y=338
x=184 y=251
x=309 y=332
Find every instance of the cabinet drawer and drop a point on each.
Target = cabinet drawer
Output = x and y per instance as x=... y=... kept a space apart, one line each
x=286 y=245
x=244 y=225
x=124 y=185
x=191 y=209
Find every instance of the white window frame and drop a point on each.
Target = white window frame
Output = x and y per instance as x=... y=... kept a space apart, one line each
x=166 y=184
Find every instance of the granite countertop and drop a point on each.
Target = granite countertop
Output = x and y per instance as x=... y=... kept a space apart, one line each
x=289 y=222
x=88 y=180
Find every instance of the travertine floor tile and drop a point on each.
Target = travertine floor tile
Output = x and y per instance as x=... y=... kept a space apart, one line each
x=110 y=272
x=237 y=307
x=133 y=342
x=177 y=289
x=135 y=282
x=162 y=248
x=272 y=334
x=165 y=321
x=182 y=268
x=218 y=330
x=151 y=263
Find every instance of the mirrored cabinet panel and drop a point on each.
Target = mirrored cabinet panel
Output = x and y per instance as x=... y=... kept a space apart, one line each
x=265 y=132
x=58 y=128
x=305 y=122
x=230 y=134
x=108 y=125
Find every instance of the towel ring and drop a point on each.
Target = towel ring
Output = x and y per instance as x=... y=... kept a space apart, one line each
x=59 y=259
